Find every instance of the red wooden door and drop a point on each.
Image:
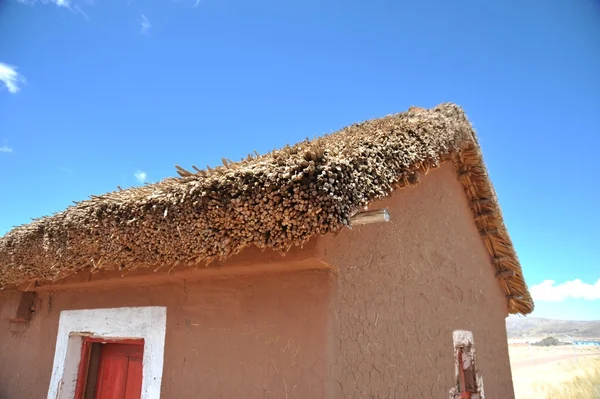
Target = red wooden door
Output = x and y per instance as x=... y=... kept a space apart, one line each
x=120 y=371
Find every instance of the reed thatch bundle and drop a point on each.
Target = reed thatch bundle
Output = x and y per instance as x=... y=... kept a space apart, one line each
x=277 y=200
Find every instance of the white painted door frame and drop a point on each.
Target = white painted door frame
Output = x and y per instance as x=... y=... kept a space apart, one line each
x=148 y=323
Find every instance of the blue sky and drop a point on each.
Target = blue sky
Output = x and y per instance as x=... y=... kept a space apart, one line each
x=95 y=94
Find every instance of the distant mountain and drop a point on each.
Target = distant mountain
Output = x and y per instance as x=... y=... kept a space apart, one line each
x=517 y=327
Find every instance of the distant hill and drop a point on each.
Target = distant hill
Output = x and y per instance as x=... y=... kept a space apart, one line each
x=518 y=327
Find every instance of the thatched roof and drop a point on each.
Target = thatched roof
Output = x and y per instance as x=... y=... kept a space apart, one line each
x=276 y=200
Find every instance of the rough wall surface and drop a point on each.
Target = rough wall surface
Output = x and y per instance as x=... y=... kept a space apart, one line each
x=380 y=326
x=251 y=337
x=403 y=287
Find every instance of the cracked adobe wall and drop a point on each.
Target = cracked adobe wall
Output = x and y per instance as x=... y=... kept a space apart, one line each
x=251 y=337
x=403 y=287
x=380 y=327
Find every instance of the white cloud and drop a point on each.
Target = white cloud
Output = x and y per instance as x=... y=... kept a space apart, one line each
x=80 y=11
x=549 y=291
x=5 y=148
x=146 y=25
x=141 y=176
x=60 y=3
x=68 y=4
x=10 y=77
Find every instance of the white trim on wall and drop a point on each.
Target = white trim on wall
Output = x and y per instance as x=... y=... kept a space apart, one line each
x=464 y=339
x=147 y=322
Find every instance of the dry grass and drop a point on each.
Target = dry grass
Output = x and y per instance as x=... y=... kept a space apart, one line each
x=584 y=385
x=537 y=374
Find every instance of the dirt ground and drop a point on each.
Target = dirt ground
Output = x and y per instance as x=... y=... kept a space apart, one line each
x=522 y=357
x=537 y=369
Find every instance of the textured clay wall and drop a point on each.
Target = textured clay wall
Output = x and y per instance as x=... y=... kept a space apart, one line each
x=403 y=287
x=251 y=337
x=379 y=326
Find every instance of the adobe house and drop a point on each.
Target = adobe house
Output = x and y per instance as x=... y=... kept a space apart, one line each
x=369 y=263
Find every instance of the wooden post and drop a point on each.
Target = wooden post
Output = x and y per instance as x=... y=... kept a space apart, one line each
x=368 y=217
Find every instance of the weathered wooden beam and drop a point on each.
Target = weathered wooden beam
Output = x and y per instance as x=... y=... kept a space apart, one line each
x=514 y=297
x=490 y=232
x=506 y=273
x=481 y=201
x=499 y=259
x=369 y=217
x=484 y=215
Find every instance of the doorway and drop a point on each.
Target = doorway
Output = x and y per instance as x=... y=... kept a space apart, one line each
x=110 y=369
